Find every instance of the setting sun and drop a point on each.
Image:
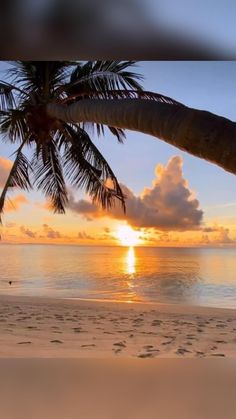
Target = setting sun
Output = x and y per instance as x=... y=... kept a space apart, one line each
x=127 y=236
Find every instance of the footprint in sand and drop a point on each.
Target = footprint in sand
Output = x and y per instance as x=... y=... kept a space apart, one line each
x=200 y=353
x=151 y=349
x=138 y=320
x=221 y=355
x=220 y=326
x=117 y=351
x=120 y=344
x=182 y=351
x=56 y=341
x=156 y=323
x=167 y=343
x=24 y=343
x=88 y=345
x=77 y=329
x=146 y=355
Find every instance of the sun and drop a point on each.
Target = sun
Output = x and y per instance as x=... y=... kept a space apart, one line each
x=127 y=236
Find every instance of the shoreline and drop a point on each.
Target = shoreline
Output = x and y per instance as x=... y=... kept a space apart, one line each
x=74 y=328
x=87 y=302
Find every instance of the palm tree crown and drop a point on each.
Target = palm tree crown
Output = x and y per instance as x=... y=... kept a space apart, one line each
x=62 y=152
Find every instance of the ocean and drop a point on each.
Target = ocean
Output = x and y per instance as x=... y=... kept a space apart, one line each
x=193 y=276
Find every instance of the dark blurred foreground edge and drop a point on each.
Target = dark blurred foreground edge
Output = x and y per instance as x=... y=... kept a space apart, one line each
x=99 y=29
x=119 y=388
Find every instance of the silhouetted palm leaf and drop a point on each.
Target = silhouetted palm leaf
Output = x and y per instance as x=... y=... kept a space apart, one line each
x=18 y=176
x=6 y=96
x=86 y=167
x=49 y=177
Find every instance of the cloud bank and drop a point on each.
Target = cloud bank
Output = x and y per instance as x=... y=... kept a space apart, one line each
x=168 y=205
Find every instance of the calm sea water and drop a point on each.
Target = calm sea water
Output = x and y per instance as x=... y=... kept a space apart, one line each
x=189 y=276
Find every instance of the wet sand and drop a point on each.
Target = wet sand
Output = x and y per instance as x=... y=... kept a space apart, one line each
x=40 y=327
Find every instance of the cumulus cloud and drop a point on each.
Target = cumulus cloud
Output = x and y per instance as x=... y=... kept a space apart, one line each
x=86 y=208
x=82 y=235
x=107 y=229
x=5 y=166
x=28 y=232
x=209 y=229
x=50 y=233
x=223 y=235
x=217 y=235
x=169 y=204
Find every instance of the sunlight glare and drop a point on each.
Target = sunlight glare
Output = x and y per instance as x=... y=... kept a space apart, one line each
x=127 y=236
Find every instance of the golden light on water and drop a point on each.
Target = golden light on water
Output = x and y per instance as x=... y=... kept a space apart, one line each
x=127 y=236
x=130 y=261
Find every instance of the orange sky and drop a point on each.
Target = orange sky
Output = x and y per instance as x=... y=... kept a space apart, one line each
x=165 y=213
x=174 y=199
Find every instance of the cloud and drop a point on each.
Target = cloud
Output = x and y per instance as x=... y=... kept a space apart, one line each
x=5 y=166
x=15 y=203
x=217 y=233
x=28 y=232
x=10 y=225
x=209 y=229
x=168 y=205
x=223 y=236
x=83 y=207
x=82 y=235
x=50 y=233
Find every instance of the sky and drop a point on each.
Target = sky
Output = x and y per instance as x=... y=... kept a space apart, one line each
x=174 y=199
x=205 y=20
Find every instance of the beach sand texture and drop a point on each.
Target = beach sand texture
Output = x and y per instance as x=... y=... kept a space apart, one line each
x=40 y=327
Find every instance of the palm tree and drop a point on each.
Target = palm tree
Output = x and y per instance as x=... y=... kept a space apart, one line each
x=51 y=105
x=63 y=152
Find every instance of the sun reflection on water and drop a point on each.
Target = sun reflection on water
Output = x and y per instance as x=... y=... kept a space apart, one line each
x=130 y=261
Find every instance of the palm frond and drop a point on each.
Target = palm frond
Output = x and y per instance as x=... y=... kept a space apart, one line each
x=103 y=76
x=133 y=94
x=87 y=168
x=119 y=134
x=49 y=176
x=7 y=99
x=13 y=125
x=18 y=176
x=36 y=76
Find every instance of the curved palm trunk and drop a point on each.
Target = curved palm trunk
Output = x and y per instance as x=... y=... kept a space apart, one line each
x=200 y=133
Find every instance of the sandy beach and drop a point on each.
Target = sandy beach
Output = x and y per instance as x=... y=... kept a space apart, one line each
x=40 y=327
